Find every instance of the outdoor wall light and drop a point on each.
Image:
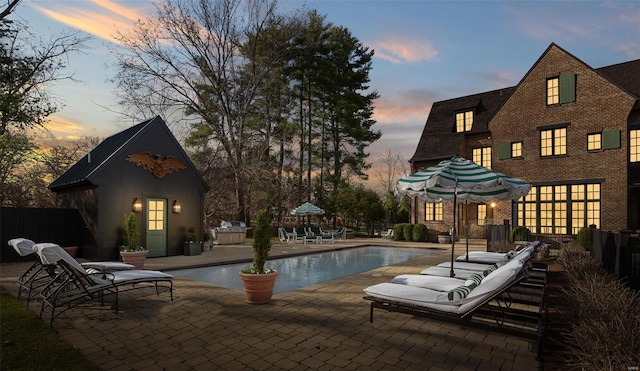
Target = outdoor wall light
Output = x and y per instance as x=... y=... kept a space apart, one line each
x=493 y=205
x=177 y=208
x=136 y=205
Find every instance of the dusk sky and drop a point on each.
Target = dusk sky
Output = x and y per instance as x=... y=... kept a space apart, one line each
x=425 y=51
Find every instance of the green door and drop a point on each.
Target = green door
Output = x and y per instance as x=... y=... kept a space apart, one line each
x=157 y=227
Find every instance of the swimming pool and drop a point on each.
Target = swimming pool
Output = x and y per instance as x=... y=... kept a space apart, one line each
x=300 y=271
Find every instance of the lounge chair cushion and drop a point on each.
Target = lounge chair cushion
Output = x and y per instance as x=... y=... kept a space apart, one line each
x=445 y=272
x=23 y=246
x=437 y=283
x=498 y=278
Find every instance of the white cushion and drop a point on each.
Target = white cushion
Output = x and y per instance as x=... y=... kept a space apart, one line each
x=437 y=283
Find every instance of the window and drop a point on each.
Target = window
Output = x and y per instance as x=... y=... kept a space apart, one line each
x=585 y=206
x=482 y=156
x=155 y=215
x=433 y=212
x=561 y=89
x=528 y=210
x=594 y=141
x=482 y=213
x=553 y=142
x=516 y=149
x=560 y=209
x=553 y=95
x=464 y=121
x=634 y=145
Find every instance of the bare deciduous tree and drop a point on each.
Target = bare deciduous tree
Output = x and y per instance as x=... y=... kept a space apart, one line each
x=197 y=59
x=392 y=167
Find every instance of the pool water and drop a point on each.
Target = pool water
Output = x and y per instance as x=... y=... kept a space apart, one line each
x=300 y=271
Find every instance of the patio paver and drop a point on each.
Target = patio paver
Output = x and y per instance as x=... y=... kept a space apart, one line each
x=321 y=327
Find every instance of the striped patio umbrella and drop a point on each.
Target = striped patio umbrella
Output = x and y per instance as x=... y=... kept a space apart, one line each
x=307 y=209
x=460 y=181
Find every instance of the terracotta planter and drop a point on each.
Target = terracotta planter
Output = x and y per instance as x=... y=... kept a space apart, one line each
x=258 y=288
x=135 y=258
x=71 y=250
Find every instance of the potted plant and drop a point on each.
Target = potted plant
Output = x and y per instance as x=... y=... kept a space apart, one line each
x=191 y=245
x=132 y=253
x=444 y=237
x=257 y=281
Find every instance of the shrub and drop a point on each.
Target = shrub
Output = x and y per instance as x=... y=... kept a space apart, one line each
x=398 y=232
x=261 y=244
x=584 y=238
x=191 y=234
x=131 y=233
x=420 y=233
x=520 y=234
x=408 y=231
x=604 y=320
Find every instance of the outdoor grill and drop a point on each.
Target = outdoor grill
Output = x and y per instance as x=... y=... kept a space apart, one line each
x=231 y=232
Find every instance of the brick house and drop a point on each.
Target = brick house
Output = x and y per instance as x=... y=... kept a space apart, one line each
x=570 y=130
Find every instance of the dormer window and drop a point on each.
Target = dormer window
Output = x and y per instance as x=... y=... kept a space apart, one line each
x=464 y=121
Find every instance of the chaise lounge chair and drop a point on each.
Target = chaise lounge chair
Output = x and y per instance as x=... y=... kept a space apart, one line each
x=39 y=274
x=74 y=285
x=504 y=300
x=486 y=257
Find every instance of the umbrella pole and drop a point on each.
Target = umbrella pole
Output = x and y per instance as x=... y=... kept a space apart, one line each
x=466 y=218
x=453 y=232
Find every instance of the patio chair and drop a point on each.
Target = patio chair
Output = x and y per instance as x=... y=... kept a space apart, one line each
x=74 y=285
x=315 y=234
x=340 y=234
x=463 y=270
x=300 y=232
x=283 y=235
x=387 y=235
x=526 y=253
x=214 y=237
x=486 y=257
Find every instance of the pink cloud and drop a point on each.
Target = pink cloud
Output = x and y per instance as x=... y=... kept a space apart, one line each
x=405 y=107
x=400 y=50
x=93 y=19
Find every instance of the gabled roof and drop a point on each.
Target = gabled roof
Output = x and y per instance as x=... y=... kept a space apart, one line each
x=439 y=139
x=625 y=75
x=83 y=172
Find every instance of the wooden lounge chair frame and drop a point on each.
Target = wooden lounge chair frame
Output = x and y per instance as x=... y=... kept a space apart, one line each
x=71 y=288
x=518 y=309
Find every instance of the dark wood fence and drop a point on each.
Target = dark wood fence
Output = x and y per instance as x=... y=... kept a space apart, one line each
x=64 y=227
x=619 y=254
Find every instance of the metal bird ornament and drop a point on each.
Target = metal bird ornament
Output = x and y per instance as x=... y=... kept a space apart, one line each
x=155 y=164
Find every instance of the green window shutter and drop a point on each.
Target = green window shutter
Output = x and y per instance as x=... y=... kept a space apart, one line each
x=504 y=151
x=610 y=139
x=567 y=84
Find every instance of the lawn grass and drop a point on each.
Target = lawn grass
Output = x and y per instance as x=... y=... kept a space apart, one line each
x=27 y=343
